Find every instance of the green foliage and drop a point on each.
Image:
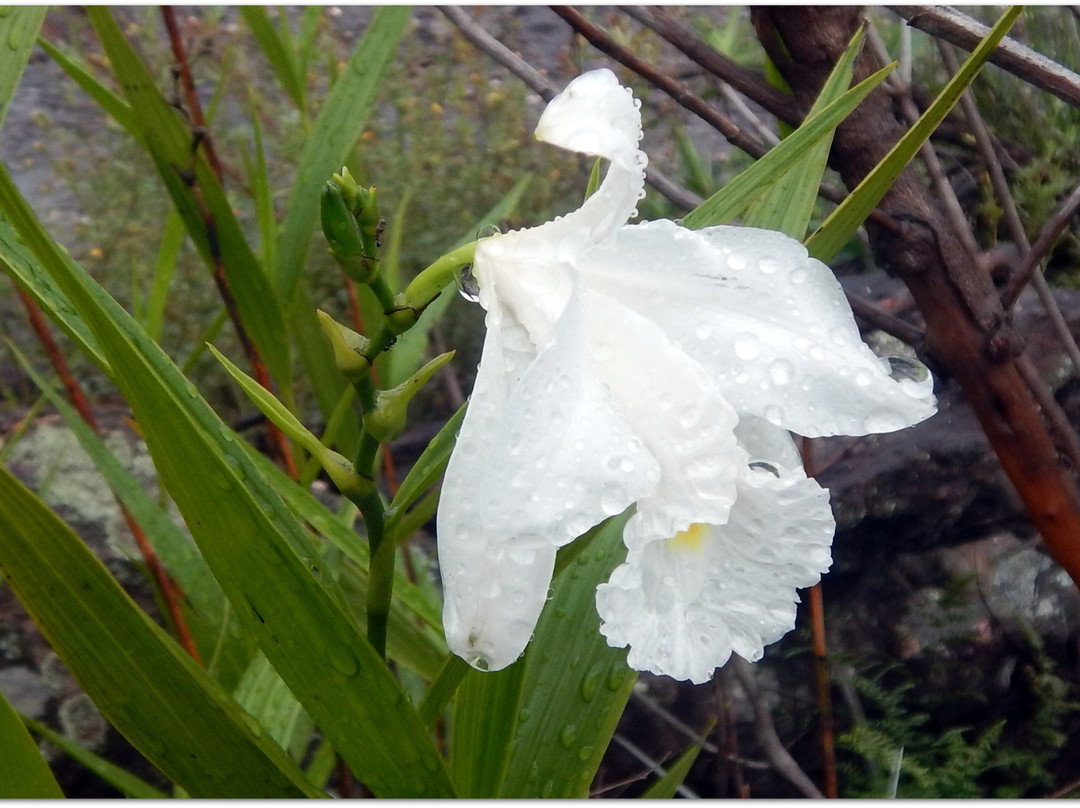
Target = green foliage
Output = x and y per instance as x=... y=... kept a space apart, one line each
x=278 y=585
x=944 y=760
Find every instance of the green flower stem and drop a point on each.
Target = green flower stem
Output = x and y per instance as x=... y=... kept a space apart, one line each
x=427 y=285
x=380 y=570
x=382 y=291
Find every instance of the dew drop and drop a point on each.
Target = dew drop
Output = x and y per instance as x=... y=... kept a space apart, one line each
x=467 y=285
x=343 y=661
x=747 y=346
x=766 y=466
x=768 y=266
x=523 y=716
x=568 y=735
x=781 y=371
x=913 y=376
x=863 y=377
x=798 y=275
x=774 y=415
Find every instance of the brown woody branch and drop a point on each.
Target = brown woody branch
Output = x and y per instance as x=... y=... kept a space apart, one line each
x=967 y=331
x=961 y=30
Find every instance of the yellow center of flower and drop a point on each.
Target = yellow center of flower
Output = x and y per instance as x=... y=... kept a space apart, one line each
x=691 y=538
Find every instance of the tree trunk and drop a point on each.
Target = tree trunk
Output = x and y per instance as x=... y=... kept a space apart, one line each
x=968 y=333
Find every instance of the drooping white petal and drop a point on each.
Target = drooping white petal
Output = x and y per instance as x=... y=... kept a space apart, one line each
x=770 y=324
x=683 y=605
x=542 y=456
x=673 y=408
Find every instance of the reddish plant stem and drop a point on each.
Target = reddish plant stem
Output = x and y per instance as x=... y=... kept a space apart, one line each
x=170 y=592
x=186 y=81
x=279 y=445
x=821 y=660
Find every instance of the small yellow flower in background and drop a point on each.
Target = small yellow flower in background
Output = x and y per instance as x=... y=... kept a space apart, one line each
x=655 y=366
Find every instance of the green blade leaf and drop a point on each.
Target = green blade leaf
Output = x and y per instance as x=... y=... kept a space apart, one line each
x=171 y=544
x=576 y=686
x=116 y=107
x=733 y=198
x=19 y=26
x=333 y=136
x=263 y=559
x=845 y=220
x=221 y=243
x=25 y=774
x=485 y=714
x=427 y=469
x=666 y=786
x=127 y=783
x=21 y=266
x=788 y=203
x=282 y=61
x=132 y=670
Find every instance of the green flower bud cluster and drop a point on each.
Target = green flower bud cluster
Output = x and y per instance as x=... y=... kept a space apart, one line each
x=352 y=226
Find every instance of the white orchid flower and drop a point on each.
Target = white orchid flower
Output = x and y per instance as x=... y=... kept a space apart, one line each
x=652 y=365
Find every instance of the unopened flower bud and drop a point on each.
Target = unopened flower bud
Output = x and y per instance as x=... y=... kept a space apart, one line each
x=350 y=349
x=387 y=421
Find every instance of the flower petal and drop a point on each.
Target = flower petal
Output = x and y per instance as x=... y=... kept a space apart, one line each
x=541 y=457
x=683 y=605
x=770 y=323
x=670 y=404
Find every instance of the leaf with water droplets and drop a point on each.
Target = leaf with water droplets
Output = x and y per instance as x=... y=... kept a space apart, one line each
x=572 y=709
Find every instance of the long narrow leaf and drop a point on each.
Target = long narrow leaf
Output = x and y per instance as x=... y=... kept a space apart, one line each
x=576 y=686
x=845 y=220
x=281 y=60
x=485 y=714
x=666 y=787
x=733 y=198
x=259 y=554
x=124 y=781
x=19 y=27
x=220 y=243
x=25 y=774
x=788 y=203
x=197 y=736
x=336 y=130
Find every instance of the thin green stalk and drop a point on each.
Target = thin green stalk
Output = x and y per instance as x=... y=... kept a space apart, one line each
x=427 y=285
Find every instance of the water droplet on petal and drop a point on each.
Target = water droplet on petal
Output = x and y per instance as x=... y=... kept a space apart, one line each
x=798 y=275
x=764 y=465
x=863 y=377
x=781 y=371
x=768 y=265
x=747 y=346
x=467 y=285
x=914 y=377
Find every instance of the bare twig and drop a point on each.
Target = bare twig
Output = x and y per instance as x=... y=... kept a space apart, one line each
x=961 y=30
x=867 y=311
x=1008 y=206
x=1047 y=236
x=681 y=726
x=1059 y=422
x=770 y=742
x=540 y=85
x=653 y=765
x=603 y=42
x=661 y=21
